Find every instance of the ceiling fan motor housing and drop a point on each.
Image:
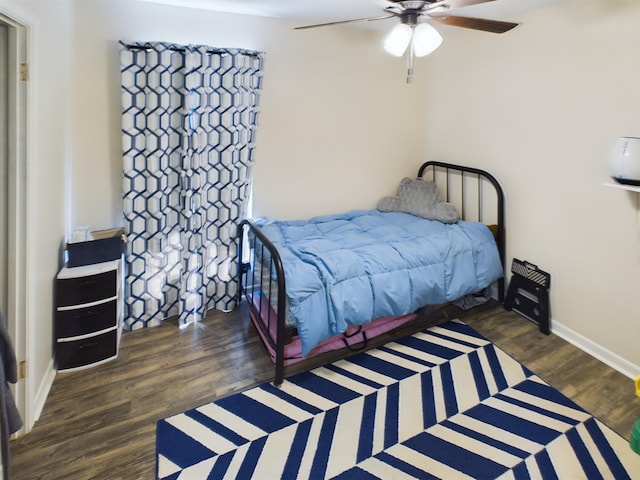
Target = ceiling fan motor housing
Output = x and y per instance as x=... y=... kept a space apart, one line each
x=409 y=18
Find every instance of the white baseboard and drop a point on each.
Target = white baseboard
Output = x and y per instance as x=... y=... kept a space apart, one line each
x=614 y=361
x=40 y=398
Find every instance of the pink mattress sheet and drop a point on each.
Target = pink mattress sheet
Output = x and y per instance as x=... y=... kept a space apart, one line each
x=354 y=335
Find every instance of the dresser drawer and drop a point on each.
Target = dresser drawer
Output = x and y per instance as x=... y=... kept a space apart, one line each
x=85 y=351
x=81 y=321
x=87 y=289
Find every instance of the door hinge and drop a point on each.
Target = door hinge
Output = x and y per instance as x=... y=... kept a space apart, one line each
x=24 y=72
x=22 y=373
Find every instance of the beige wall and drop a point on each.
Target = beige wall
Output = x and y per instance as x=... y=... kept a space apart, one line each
x=339 y=126
x=540 y=107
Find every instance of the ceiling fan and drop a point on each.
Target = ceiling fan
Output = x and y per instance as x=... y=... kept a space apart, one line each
x=415 y=30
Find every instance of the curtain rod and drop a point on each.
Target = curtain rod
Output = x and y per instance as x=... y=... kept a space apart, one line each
x=183 y=50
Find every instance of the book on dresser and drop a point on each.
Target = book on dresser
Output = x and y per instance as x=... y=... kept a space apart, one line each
x=88 y=314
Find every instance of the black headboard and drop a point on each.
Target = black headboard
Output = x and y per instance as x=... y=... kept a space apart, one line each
x=478 y=196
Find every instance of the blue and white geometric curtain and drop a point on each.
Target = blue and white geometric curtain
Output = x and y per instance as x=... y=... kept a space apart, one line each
x=189 y=125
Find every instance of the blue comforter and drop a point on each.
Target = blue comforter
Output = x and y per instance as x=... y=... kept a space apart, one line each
x=348 y=269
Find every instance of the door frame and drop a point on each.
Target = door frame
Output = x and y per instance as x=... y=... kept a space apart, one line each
x=19 y=60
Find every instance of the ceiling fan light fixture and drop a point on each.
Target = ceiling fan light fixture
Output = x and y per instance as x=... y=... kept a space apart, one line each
x=426 y=39
x=398 y=40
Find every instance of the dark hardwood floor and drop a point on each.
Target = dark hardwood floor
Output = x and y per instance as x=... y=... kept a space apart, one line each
x=99 y=423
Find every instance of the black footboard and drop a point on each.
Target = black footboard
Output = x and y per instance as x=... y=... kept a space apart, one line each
x=476 y=194
x=261 y=278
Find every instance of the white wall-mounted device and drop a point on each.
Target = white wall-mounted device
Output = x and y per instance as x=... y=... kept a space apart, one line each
x=624 y=161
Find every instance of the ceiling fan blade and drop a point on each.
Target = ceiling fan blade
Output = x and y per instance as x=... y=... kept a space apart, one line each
x=464 y=3
x=340 y=22
x=493 y=26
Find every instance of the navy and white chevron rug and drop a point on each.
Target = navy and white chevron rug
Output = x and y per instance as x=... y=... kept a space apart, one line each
x=444 y=403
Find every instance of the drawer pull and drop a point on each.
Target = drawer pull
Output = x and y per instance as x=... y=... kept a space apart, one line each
x=84 y=346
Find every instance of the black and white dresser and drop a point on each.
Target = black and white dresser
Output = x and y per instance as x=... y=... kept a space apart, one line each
x=88 y=314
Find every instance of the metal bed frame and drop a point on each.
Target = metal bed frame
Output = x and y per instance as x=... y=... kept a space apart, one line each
x=454 y=181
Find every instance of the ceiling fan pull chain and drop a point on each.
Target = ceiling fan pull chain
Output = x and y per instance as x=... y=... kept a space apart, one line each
x=410 y=63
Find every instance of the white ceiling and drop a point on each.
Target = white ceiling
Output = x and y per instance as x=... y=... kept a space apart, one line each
x=307 y=12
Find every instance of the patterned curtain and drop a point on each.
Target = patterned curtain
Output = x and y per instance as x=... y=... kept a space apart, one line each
x=189 y=123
